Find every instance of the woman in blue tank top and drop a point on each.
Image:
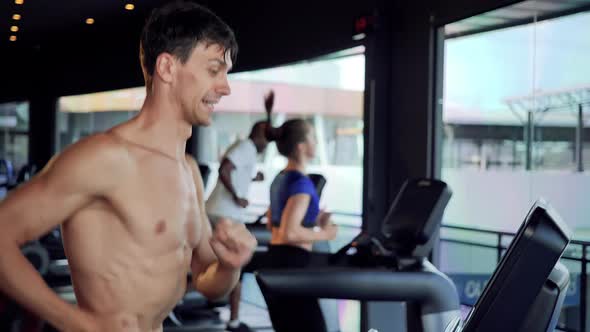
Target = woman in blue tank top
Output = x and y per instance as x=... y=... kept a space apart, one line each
x=296 y=223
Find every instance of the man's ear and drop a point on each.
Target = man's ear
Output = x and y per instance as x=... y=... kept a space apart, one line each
x=165 y=67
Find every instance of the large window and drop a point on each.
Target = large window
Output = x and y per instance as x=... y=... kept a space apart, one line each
x=14 y=140
x=83 y=115
x=516 y=104
x=328 y=93
x=14 y=131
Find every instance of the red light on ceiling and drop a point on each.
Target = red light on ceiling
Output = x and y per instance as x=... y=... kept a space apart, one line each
x=364 y=24
x=361 y=24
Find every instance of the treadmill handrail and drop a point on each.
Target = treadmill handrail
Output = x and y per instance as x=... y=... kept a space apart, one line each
x=434 y=290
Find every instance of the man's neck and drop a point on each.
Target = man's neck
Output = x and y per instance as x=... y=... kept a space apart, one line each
x=165 y=129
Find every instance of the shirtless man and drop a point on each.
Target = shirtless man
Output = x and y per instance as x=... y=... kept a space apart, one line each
x=130 y=204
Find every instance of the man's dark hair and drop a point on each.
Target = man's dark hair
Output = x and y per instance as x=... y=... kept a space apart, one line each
x=177 y=28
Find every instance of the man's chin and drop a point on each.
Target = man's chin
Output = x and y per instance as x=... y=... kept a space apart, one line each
x=206 y=122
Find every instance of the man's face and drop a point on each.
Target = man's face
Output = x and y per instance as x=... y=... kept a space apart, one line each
x=261 y=145
x=201 y=82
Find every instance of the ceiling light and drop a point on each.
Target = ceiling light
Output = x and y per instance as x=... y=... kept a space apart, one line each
x=90 y=20
x=129 y=6
x=359 y=36
x=13 y=38
x=19 y=2
x=16 y=17
x=14 y=28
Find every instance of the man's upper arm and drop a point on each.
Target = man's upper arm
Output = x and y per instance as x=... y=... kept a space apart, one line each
x=203 y=255
x=69 y=182
x=236 y=154
x=226 y=166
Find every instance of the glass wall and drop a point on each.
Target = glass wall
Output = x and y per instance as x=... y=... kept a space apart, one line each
x=516 y=104
x=333 y=103
x=14 y=131
x=83 y=115
x=14 y=141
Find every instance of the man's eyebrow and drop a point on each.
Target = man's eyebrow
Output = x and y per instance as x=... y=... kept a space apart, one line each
x=220 y=62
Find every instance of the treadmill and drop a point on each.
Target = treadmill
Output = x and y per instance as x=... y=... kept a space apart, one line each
x=391 y=265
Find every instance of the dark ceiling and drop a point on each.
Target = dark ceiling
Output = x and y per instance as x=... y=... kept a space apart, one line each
x=57 y=53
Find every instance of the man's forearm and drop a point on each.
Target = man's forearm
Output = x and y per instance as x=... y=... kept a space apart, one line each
x=21 y=282
x=226 y=180
x=217 y=281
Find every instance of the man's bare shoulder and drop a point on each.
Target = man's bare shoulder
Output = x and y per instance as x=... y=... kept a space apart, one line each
x=99 y=154
x=102 y=147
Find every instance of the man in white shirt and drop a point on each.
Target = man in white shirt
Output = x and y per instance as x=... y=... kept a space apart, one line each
x=236 y=173
x=228 y=199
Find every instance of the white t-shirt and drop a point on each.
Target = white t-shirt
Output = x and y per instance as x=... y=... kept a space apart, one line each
x=221 y=203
